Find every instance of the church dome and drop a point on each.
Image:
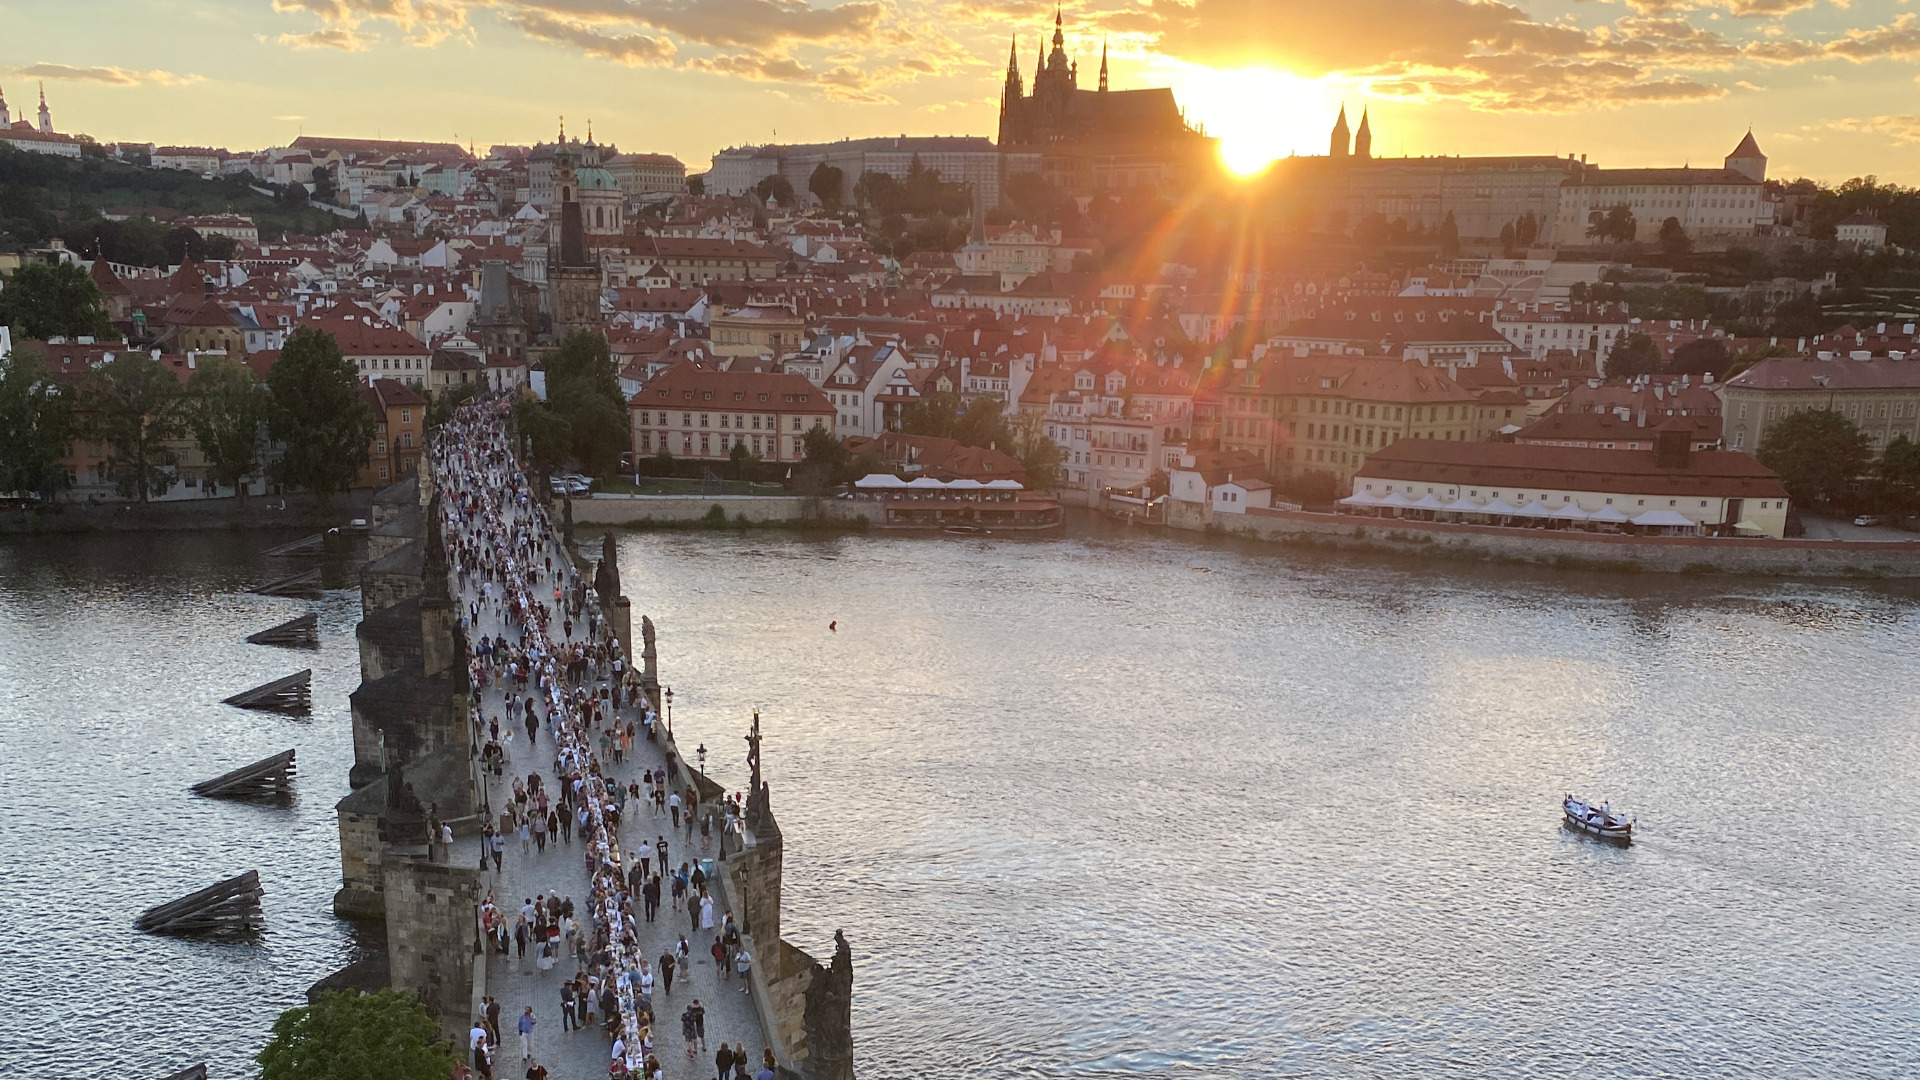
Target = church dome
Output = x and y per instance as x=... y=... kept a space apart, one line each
x=592 y=179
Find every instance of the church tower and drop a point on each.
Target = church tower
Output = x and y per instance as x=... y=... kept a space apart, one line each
x=1103 y=67
x=1363 y=139
x=46 y=118
x=1011 y=95
x=5 y=118
x=1748 y=161
x=1337 y=146
x=573 y=277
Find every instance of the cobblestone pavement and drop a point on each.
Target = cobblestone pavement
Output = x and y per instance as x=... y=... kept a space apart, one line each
x=517 y=982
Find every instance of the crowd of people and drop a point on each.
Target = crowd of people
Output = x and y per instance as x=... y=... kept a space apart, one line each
x=535 y=634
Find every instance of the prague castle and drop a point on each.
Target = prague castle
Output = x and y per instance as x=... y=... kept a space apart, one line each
x=1550 y=200
x=1092 y=141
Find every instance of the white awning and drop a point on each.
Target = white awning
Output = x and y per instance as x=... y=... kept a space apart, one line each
x=1534 y=510
x=1428 y=502
x=1499 y=508
x=1569 y=512
x=1397 y=500
x=1359 y=498
x=965 y=483
x=1748 y=526
x=1664 y=518
x=926 y=483
x=1464 y=505
x=1608 y=515
x=1004 y=485
x=879 y=480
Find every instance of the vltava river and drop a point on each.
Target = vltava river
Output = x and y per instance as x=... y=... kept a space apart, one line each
x=1116 y=805
x=1099 y=807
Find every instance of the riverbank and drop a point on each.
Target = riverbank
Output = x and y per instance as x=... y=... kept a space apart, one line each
x=1560 y=550
x=299 y=511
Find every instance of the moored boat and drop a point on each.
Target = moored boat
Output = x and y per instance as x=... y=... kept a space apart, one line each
x=966 y=530
x=1598 y=821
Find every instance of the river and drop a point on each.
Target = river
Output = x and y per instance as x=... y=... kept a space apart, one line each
x=1107 y=806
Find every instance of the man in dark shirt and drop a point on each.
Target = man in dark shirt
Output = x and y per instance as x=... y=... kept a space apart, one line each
x=699 y=1012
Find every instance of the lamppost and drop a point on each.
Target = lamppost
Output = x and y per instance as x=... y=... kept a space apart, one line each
x=669 y=714
x=701 y=752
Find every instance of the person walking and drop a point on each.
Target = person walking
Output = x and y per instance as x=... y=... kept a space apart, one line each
x=742 y=963
x=723 y=1061
x=699 y=1012
x=666 y=971
x=526 y=1034
x=686 y=1032
x=566 y=1007
x=650 y=896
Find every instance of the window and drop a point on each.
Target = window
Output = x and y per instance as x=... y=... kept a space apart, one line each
x=796 y=423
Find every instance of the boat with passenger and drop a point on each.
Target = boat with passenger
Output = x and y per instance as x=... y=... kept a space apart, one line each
x=1598 y=821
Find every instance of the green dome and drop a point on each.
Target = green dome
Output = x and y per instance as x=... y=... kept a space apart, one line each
x=591 y=179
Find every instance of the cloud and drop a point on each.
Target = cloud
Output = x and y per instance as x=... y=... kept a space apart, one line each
x=757 y=24
x=420 y=22
x=1897 y=40
x=110 y=76
x=1903 y=129
x=633 y=50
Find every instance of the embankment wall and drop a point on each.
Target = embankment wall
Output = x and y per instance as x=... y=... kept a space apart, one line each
x=1594 y=551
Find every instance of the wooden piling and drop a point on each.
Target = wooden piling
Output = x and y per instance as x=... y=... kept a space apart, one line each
x=228 y=906
x=307 y=545
x=291 y=694
x=266 y=778
x=191 y=1072
x=304 y=585
x=304 y=630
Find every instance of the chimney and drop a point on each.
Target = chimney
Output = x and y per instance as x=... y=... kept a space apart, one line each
x=1672 y=446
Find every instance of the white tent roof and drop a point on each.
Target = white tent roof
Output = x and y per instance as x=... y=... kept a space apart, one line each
x=1607 y=514
x=1570 y=512
x=1664 y=517
x=1359 y=498
x=1748 y=526
x=1499 y=508
x=965 y=483
x=925 y=483
x=1429 y=502
x=1004 y=485
x=1394 y=498
x=1464 y=505
x=879 y=480
x=1534 y=510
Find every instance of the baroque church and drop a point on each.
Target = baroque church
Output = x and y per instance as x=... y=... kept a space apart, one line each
x=580 y=195
x=1089 y=142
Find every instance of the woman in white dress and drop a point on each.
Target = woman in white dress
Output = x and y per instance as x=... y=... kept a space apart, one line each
x=706 y=910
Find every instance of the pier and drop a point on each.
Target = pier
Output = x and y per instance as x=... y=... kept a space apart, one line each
x=303 y=630
x=267 y=778
x=230 y=906
x=291 y=694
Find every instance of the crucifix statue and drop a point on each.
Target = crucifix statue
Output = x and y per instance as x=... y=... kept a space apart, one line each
x=753 y=754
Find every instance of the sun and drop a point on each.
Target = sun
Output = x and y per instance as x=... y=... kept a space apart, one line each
x=1259 y=114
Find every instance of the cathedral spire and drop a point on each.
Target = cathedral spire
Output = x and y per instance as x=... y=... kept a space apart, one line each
x=1059 y=38
x=46 y=117
x=1103 y=65
x=1363 y=139
x=1337 y=145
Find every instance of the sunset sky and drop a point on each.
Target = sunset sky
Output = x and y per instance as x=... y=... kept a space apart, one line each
x=1828 y=86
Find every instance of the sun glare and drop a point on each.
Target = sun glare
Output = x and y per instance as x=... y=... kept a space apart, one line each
x=1258 y=114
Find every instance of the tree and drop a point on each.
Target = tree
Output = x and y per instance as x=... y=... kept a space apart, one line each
x=226 y=408
x=1616 y=224
x=44 y=299
x=1702 y=356
x=743 y=461
x=825 y=183
x=323 y=188
x=184 y=242
x=1818 y=453
x=935 y=414
x=697 y=185
x=825 y=452
x=1633 y=355
x=1800 y=317
x=1449 y=235
x=1899 y=472
x=546 y=435
x=775 y=187
x=220 y=247
x=134 y=405
x=319 y=415
x=1673 y=238
x=36 y=418
x=352 y=1036
x=583 y=395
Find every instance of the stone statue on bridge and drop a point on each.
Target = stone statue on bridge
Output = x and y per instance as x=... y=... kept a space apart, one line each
x=828 y=1021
